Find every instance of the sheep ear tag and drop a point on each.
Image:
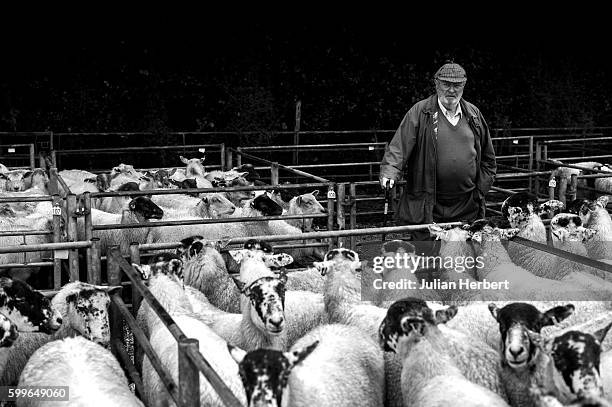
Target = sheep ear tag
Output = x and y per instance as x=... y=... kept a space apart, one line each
x=278 y=260
x=236 y=353
x=299 y=355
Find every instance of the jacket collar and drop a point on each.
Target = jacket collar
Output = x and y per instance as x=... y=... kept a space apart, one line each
x=431 y=106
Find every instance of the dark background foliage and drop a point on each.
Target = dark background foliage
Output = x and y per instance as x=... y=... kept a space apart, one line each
x=248 y=75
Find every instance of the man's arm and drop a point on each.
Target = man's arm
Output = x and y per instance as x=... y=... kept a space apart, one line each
x=399 y=149
x=488 y=164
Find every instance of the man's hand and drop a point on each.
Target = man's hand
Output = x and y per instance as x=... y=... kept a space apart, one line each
x=386 y=183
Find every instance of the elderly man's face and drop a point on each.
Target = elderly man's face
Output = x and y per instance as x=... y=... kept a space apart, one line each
x=449 y=93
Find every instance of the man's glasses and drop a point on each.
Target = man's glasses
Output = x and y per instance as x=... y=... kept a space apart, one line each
x=447 y=85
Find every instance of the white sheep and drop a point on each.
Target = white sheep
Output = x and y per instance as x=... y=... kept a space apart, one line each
x=207 y=206
x=604 y=184
x=138 y=211
x=84 y=311
x=195 y=169
x=13 y=180
x=115 y=204
x=168 y=289
x=92 y=374
x=3 y=169
x=430 y=376
x=595 y=216
x=564 y=174
x=333 y=365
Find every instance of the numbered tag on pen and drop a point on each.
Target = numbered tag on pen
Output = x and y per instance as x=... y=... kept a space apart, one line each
x=552 y=183
x=57 y=210
x=331 y=194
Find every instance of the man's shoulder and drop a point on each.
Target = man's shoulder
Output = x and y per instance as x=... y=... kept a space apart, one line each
x=424 y=105
x=470 y=108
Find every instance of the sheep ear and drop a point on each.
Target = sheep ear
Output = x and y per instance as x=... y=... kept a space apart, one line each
x=552 y=207
x=602 y=201
x=240 y=284
x=299 y=199
x=507 y=234
x=600 y=334
x=237 y=354
x=540 y=341
x=494 y=310
x=222 y=244
x=184 y=160
x=557 y=314
x=299 y=355
x=278 y=260
x=144 y=270
x=91 y=180
x=445 y=315
x=238 y=255
x=315 y=192
x=476 y=236
x=436 y=231
x=72 y=298
x=587 y=233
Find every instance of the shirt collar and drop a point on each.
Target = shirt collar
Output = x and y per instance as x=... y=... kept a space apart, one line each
x=458 y=112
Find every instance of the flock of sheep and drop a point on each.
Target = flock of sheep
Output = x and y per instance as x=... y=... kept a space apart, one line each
x=308 y=338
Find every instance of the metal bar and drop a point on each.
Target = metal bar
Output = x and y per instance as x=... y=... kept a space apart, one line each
x=353 y=214
x=313 y=147
x=189 y=379
x=284 y=167
x=43 y=247
x=590 y=157
x=127 y=149
x=128 y=366
x=207 y=190
x=274 y=174
x=341 y=197
x=57 y=238
x=26 y=233
x=94 y=265
x=229 y=159
x=222 y=158
x=573 y=140
x=334 y=165
x=144 y=343
x=135 y=259
x=114 y=279
x=29 y=198
x=530 y=165
x=562 y=253
x=26 y=265
x=204 y=221
x=331 y=195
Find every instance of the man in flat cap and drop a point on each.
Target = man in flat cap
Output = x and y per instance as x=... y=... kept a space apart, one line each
x=443 y=149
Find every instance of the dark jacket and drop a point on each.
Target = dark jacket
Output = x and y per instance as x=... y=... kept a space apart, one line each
x=412 y=152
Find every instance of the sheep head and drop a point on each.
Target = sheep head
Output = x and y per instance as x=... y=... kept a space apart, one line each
x=218 y=206
x=409 y=320
x=515 y=320
x=264 y=204
x=265 y=372
x=86 y=308
x=447 y=234
x=567 y=227
x=569 y=365
x=8 y=332
x=267 y=298
x=28 y=309
x=145 y=208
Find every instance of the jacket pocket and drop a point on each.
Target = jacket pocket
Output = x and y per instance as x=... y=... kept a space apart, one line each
x=411 y=208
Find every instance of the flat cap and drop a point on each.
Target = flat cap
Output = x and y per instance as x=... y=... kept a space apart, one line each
x=451 y=72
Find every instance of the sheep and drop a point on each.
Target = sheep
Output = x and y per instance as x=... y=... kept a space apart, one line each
x=8 y=332
x=9 y=221
x=92 y=373
x=523 y=285
x=168 y=290
x=13 y=180
x=3 y=169
x=305 y=204
x=207 y=206
x=564 y=174
x=604 y=184
x=138 y=211
x=595 y=216
x=333 y=365
x=80 y=181
x=430 y=376
x=81 y=309
x=115 y=204
x=523 y=212
x=195 y=169
x=568 y=366
x=238 y=197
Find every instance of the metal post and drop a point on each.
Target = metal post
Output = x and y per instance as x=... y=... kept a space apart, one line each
x=189 y=375
x=73 y=254
x=32 y=157
x=331 y=195
x=537 y=163
x=94 y=267
x=573 y=186
x=88 y=231
x=274 y=174
x=114 y=279
x=545 y=152
x=41 y=162
x=563 y=190
x=340 y=209
x=135 y=258
x=530 y=165
x=296 y=135
x=53 y=186
x=57 y=238
x=353 y=216
x=229 y=158
x=54 y=159
x=222 y=158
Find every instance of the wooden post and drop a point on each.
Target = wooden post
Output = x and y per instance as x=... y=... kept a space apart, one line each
x=530 y=165
x=537 y=168
x=32 y=157
x=73 y=254
x=189 y=375
x=114 y=279
x=57 y=238
x=331 y=196
x=54 y=158
x=563 y=190
x=53 y=186
x=296 y=135
x=353 y=216
x=88 y=233
x=94 y=267
x=340 y=210
x=274 y=174
x=42 y=163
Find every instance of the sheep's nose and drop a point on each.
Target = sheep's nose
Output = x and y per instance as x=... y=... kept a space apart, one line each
x=516 y=351
x=59 y=321
x=277 y=322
